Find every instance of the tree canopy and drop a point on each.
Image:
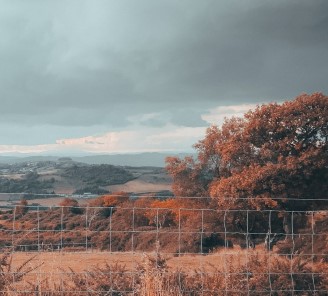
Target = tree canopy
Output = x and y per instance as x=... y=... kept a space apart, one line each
x=273 y=156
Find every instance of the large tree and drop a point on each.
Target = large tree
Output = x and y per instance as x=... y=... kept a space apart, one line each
x=275 y=156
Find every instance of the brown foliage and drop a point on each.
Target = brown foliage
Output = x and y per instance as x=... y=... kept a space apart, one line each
x=279 y=152
x=173 y=211
x=110 y=200
x=189 y=177
x=70 y=205
x=105 y=204
x=273 y=154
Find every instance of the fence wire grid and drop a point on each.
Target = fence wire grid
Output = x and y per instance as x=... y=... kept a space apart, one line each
x=160 y=251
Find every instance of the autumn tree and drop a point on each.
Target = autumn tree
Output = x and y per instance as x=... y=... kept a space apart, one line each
x=190 y=178
x=104 y=204
x=193 y=177
x=272 y=157
x=279 y=158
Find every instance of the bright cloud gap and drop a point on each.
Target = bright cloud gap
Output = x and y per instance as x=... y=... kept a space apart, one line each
x=136 y=138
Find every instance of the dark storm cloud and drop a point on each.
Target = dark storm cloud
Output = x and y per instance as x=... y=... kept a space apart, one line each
x=84 y=63
x=254 y=50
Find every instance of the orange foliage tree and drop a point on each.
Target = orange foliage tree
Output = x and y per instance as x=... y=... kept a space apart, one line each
x=190 y=178
x=270 y=158
x=108 y=202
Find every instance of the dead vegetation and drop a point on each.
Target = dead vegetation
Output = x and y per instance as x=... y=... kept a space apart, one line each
x=260 y=274
x=184 y=231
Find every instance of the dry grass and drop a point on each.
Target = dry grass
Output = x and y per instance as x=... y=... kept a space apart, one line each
x=230 y=271
x=14 y=276
x=56 y=262
x=226 y=272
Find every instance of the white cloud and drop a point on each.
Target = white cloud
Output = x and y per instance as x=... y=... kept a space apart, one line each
x=7 y=149
x=169 y=138
x=136 y=138
x=217 y=115
x=177 y=135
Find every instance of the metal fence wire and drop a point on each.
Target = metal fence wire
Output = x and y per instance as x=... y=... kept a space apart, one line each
x=162 y=251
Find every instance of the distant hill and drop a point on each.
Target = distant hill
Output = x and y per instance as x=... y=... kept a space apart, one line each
x=136 y=160
x=137 y=173
x=21 y=159
x=150 y=159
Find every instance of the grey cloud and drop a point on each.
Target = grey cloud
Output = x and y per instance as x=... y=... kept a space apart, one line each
x=242 y=57
x=188 y=117
x=179 y=116
x=297 y=23
x=96 y=63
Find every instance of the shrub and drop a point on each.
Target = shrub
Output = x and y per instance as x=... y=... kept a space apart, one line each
x=70 y=206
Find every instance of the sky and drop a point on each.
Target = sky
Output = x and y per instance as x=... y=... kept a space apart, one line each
x=125 y=76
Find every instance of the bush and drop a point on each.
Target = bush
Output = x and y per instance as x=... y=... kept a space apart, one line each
x=70 y=205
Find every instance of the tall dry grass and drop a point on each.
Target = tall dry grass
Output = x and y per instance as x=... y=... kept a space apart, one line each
x=12 y=278
x=261 y=274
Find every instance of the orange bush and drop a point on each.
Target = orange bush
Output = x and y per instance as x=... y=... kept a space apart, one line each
x=70 y=205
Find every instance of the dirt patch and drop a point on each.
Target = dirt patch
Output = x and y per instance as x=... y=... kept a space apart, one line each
x=140 y=186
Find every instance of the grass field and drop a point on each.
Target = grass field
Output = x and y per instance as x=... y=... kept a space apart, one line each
x=53 y=265
x=99 y=273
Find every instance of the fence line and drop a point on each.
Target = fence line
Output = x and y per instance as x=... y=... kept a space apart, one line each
x=200 y=250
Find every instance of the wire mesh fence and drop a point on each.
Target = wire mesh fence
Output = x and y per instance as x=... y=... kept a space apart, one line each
x=149 y=250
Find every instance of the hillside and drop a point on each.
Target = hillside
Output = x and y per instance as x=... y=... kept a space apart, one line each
x=65 y=176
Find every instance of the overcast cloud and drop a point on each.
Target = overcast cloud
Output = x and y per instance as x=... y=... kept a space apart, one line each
x=145 y=69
